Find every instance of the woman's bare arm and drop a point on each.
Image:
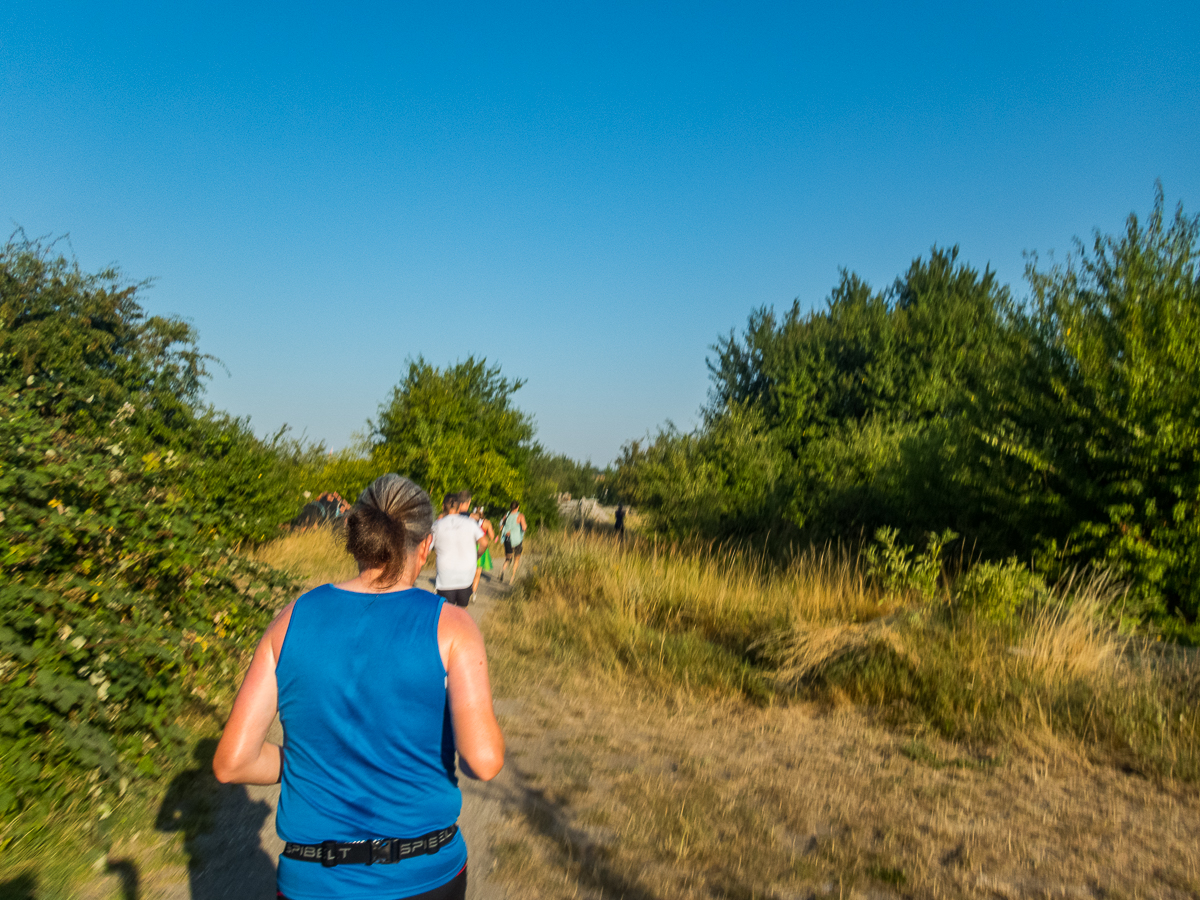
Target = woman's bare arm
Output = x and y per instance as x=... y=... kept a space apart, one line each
x=477 y=734
x=243 y=756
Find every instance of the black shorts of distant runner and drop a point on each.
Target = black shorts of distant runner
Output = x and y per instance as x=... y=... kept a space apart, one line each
x=509 y=549
x=457 y=596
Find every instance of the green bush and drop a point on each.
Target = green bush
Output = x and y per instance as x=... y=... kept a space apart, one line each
x=999 y=590
x=1063 y=429
x=900 y=569
x=722 y=483
x=136 y=381
x=1091 y=444
x=115 y=591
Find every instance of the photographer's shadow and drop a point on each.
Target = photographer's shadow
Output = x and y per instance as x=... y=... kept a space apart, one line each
x=221 y=825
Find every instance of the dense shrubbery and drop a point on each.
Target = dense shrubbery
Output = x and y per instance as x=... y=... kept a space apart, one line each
x=116 y=368
x=1064 y=429
x=122 y=500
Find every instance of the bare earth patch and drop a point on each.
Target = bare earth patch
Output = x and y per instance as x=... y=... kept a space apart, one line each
x=663 y=797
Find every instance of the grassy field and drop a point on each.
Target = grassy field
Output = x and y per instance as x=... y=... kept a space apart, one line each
x=689 y=723
x=1048 y=667
x=314 y=557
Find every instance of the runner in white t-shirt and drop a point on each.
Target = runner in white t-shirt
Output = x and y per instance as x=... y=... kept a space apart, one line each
x=457 y=540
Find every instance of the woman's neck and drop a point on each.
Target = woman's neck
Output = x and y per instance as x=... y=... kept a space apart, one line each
x=367 y=582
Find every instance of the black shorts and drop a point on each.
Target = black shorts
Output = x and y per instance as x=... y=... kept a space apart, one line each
x=458 y=596
x=454 y=889
x=510 y=550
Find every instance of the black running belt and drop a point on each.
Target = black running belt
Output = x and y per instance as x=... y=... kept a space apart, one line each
x=365 y=853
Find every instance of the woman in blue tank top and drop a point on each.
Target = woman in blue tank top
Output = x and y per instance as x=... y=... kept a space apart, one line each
x=378 y=685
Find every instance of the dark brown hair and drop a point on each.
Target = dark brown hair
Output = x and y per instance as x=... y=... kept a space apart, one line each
x=389 y=521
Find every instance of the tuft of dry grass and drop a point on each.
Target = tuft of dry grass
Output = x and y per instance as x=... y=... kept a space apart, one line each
x=315 y=556
x=1069 y=637
x=714 y=622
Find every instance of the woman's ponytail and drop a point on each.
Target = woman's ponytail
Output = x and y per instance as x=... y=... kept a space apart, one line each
x=387 y=524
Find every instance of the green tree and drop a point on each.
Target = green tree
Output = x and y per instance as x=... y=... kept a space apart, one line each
x=137 y=381
x=456 y=428
x=847 y=407
x=1093 y=444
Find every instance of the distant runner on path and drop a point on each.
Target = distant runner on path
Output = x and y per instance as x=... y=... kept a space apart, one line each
x=458 y=540
x=512 y=532
x=619 y=525
x=484 y=564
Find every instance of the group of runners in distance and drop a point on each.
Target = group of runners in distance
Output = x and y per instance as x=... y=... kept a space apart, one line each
x=461 y=539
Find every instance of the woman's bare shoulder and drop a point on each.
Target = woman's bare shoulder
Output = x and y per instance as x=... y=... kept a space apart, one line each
x=277 y=630
x=457 y=621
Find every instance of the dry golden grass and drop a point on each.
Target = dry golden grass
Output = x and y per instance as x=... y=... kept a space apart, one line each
x=1071 y=639
x=618 y=796
x=689 y=724
x=316 y=556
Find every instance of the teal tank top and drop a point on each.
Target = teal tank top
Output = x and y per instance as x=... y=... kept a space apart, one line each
x=511 y=527
x=368 y=747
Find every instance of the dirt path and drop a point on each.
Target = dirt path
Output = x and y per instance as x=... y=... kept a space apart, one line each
x=235 y=860
x=484 y=802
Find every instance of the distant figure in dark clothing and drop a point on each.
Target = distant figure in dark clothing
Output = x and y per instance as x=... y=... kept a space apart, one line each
x=619 y=527
x=328 y=509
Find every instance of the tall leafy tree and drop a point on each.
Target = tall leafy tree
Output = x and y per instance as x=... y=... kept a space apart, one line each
x=858 y=394
x=1097 y=432
x=456 y=428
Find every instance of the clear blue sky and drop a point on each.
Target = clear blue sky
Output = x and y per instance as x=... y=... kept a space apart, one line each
x=588 y=194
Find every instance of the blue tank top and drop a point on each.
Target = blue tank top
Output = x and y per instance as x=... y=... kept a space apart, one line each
x=368 y=748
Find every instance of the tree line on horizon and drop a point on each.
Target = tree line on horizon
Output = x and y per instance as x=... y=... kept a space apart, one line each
x=1062 y=429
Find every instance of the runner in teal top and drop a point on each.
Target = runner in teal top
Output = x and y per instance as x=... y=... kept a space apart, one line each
x=512 y=532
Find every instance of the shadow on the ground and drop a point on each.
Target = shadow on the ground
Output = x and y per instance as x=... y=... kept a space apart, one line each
x=23 y=887
x=127 y=871
x=591 y=861
x=220 y=825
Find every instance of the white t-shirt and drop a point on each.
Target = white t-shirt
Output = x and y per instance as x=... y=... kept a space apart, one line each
x=454 y=540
